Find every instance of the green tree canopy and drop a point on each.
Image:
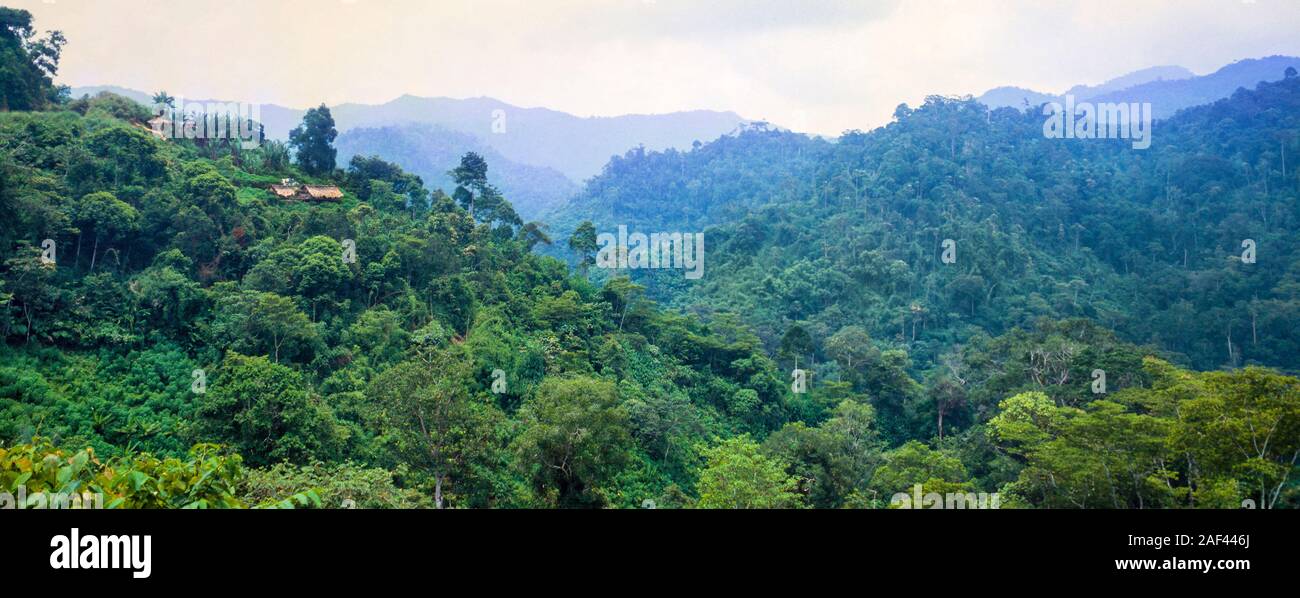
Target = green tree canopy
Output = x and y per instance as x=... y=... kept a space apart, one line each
x=739 y=476
x=313 y=141
x=27 y=63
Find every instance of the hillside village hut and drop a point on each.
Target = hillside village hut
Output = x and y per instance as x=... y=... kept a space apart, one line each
x=307 y=192
x=323 y=192
x=284 y=191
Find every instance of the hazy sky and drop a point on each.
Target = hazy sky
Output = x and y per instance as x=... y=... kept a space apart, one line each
x=822 y=66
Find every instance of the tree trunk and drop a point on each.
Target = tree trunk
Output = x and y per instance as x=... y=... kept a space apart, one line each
x=1232 y=359
x=94 y=253
x=437 y=491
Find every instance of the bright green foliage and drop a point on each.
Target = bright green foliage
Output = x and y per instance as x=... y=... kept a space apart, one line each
x=139 y=399
x=739 y=476
x=1243 y=430
x=1025 y=420
x=583 y=243
x=915 y=463
x=339 y=486
x=207 y=479
x=1209 y=440
x=452 y=365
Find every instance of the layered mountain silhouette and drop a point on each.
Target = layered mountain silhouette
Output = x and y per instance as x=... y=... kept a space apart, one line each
x=576 y=146
x=1168 y=88
x=539 y=157
x=430 y=151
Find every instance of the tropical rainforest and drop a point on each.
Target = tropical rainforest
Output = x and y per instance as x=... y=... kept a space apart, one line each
x=952 y=303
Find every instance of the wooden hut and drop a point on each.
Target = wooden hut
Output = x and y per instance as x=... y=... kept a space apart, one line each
x=284 y=191
x=322 y=192
x=317 y=193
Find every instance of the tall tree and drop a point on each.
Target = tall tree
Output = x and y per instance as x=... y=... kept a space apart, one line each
x=583 y=242
x=263 y=322
x=27 y=63
x=313 y=141
x=796 y=344
x=106 y=218
x=432 y=418
x=471 y=181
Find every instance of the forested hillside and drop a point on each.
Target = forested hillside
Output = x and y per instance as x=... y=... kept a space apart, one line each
x=177 y=333
x=1144 y=242
x=171 y=261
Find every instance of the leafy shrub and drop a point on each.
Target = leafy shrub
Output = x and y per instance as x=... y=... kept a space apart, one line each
x=343 y=485
x=208 y=478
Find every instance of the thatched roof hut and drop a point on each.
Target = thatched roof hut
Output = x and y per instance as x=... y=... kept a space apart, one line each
x=284 y=191
x=323 y=192
x=307 y=192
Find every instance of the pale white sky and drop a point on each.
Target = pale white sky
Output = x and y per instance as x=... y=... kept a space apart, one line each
x=817 y=65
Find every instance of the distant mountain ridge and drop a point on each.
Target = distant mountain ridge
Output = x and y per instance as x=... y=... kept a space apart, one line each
x=430 y=151
x=1168 y=88
x=1017 y=97
x=576 y=146
x=1168 y=97
x=1145 y=76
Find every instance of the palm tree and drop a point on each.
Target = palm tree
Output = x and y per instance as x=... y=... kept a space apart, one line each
x=161 y=99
